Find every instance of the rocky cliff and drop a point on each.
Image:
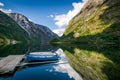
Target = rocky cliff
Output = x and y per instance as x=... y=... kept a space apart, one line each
x=95 y=16
x=95 y=37
x=34 y=30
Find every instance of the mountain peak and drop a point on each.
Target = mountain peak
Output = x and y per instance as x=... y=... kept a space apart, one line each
x=33 y=29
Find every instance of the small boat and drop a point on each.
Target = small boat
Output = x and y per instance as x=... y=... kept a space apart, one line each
x=42 y=56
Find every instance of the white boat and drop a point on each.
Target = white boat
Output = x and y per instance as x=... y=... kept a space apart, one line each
x=42 y=56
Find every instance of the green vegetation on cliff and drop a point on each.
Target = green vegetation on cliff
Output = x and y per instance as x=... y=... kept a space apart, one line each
x=92 y=40
x=10 y=31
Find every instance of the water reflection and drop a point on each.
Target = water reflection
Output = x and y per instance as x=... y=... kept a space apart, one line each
x=60 y=70
x=94 y=64
x=46 y=72
x=16 y=49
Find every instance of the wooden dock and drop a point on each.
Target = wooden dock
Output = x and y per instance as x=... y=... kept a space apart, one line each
x=9 y=63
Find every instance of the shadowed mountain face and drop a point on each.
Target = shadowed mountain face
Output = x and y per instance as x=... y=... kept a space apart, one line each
x=96 y=56
x=93 y=40
x=34 y=30
x=10 y=31
x=19 y=29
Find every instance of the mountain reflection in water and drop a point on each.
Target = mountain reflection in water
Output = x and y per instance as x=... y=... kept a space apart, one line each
x=60 y=70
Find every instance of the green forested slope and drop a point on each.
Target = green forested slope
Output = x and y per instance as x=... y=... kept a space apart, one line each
x=96 y=17
x=10 y=30
x=92 y=40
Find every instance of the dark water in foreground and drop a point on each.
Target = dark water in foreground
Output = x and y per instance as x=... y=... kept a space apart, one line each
x=60 y=70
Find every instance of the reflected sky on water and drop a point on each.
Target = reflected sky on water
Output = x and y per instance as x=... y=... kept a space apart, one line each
x=60 y=70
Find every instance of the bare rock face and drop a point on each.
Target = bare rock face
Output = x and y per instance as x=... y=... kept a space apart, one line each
x=34 y=30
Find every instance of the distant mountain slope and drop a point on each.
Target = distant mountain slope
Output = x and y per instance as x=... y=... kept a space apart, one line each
x=34 y=30
x=10 y=30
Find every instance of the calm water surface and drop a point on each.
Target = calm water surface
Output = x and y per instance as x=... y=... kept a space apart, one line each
x=60 y=70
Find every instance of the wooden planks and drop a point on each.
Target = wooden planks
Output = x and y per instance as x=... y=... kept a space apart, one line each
x=9 y=63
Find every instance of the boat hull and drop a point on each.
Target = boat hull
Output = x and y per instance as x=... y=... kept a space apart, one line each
x=42 y=57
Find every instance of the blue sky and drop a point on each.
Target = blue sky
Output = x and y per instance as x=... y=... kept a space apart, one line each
x=51 y=13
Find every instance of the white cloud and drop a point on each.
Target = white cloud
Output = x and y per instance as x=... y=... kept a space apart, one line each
x=51 y=16
x=1 y=4
x=63 y=19
x=6 y=10
x=59 y=31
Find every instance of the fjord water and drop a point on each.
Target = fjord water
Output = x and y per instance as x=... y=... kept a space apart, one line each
x=53 y=71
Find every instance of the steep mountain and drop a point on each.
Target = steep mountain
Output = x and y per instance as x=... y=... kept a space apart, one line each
x=34 y=30
x=94 y=34
x=95 y=17
x=10 y=31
